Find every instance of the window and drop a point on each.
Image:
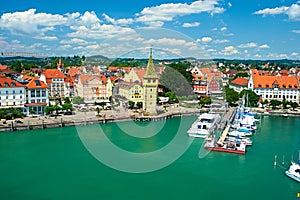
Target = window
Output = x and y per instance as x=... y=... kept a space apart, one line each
x=6 y=91
x=21 y=96
x=32 y=93
x=43 y=93
x=38 y=101
x=14 y=97
x=38 y=93
x=32 y=101
x=6 y=97
x=14 y=92
x=21 y=91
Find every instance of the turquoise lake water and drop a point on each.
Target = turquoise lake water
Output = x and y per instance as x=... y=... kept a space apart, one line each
x=55 y=163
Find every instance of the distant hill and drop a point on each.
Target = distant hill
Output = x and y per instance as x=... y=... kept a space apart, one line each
x=97 y=60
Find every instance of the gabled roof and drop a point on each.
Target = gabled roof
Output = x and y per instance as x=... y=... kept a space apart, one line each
x=73 y=71
x=283 y=82
x=140 y=72
x=54 y=73
x=36 y=83
x=2 y=67
x=6 y=82
x=84 y=79
x=240 y=82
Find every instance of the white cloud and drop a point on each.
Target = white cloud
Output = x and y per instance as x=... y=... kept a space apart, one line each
x=221 y=41
x=223 y=28
x=123 y=21
x=169 y=42
x=48 y=38
x=229 y=50
x=248 y=45
x=205 y=39
x=264 y=46
x=293 y=11
x=74 y=41
x=294 y=54
x=188 y=25
x=30 y=22
x=166 y=12
x=296 y=31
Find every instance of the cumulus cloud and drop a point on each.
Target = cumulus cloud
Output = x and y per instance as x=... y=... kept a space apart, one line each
x=168 y=11
x=29 y=22
x=221 y=41
x=296 y=31
x=248 y=45
x=293 y=11
x=188 y=25
x=205 y=39
x=229 y=50
x=223 y=28
x=123 y=21
x=264 y=46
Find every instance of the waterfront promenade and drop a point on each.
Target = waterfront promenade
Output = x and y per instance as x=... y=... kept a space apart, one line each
x=91 y=117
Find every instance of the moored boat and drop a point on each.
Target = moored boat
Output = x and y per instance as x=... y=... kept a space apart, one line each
x=294 y=170
x=204 y=125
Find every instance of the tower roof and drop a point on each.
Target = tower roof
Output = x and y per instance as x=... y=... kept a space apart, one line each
x=150 y=71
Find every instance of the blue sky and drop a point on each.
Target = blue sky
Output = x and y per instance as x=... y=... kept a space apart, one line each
x=242 y=29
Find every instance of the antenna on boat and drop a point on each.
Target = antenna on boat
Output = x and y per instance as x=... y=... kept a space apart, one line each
x=275 y=162
x=283 y=160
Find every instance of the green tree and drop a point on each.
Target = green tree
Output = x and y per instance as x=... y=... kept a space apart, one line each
x=49 y=110
x=67 y=106
x=252 y=97
x=274 y=103
x=294 y=105
x=131 y=104
x=231 y=96
x=78 y=100
x=205 y=101
x=139 y=104
x=67 y=100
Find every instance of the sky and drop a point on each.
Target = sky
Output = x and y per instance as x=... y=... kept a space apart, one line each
x=231 y=29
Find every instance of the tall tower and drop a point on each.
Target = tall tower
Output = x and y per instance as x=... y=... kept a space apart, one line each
x=150 y=83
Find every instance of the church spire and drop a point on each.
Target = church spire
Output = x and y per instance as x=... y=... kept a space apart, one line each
x=150 y=71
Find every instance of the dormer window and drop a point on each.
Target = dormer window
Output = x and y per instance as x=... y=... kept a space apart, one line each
x=295 y=86
x=259 y=85
x=275 y=85
x=284 y=86
x=6 y=84
x=13 y=84
x=290 y=86
x=267 y=85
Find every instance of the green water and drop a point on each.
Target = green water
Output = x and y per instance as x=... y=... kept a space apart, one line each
x=54 y=164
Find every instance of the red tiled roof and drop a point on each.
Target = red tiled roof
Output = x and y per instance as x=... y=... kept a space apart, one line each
x=9 y=82
x=54 y=73
x=113 y=69
x=35 y=83
x=2 y=67
x=240 y=81
x=85 y=78
x=73 y=71
x=287 y=82
x=140 y=72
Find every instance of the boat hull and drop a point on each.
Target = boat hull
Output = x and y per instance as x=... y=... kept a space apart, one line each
x=226 y=150
x=292 y=176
